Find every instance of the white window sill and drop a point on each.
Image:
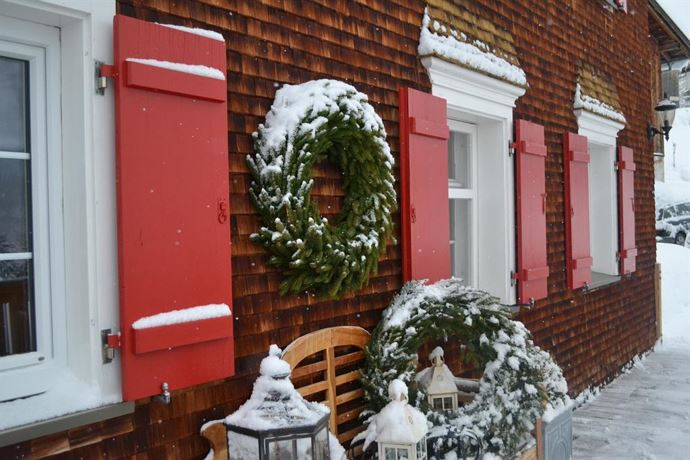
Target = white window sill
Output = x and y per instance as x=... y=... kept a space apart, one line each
x=600 y=280
x=68 y=395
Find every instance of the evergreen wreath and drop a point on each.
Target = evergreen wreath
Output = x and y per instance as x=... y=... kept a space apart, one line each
x=520 y=381
x=307 y=123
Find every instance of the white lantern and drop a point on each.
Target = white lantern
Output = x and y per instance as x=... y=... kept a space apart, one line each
x=399 y=429
x=439 y=383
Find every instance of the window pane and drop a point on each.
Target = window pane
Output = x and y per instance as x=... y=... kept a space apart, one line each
x=459 y=159
x=403 y=454
x=17 y=329
x=389 y=453
x=461 y=238
x=14 y=130
x=15 y=208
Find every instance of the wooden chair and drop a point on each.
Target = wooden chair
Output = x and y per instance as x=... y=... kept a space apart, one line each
x=325 y=368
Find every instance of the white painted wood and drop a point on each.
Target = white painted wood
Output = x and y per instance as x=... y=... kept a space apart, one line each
x=14 y=155
x=88 y=167
x=487 y=103
x=644 y=414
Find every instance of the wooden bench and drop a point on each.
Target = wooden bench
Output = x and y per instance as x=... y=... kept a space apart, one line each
x=325 y=368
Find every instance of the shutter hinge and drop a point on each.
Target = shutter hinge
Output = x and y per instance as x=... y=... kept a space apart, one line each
x=110 y=342
x=512 y=146
x=103 y=72
x=513 y=278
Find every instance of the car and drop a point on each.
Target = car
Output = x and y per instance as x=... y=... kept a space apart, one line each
x=673 y=223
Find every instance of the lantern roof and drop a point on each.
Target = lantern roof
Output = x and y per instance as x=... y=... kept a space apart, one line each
x=437 y=379
x=398 y=422
x=275 y=403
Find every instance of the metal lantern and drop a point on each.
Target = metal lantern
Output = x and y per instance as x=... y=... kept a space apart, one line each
x=276 y=423
x=666 y=110
x=439 y=383
x=399 y=429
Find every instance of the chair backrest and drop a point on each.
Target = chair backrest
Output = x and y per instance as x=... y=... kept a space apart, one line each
x=325 y=368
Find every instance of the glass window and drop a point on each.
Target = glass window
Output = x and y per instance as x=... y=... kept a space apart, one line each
x=403 y=454
x=448 y=403
x=461 y=193
x=17 y=316
x=390 y=453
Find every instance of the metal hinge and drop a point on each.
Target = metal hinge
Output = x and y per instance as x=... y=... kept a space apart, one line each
x=512 y=146
x=110 y=342
x=103 y=72
x=513 y=278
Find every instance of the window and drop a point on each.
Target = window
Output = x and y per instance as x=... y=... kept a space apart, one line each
x=462 y=200
x=481 y=182
x=29 y=234
x=57 y=214
x=601 y=133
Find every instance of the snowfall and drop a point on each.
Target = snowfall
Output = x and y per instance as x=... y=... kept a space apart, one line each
x=645 y=413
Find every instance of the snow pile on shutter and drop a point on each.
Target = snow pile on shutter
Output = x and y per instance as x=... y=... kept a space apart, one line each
x=200 y=70
x=197 y=31
x=448 y=36
x=184 y=315
x=595 y=92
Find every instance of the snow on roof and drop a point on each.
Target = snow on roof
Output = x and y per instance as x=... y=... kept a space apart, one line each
x=184 y=315
x=595 y=92
x=197 y=31
x=200 y=70
x=451 y=34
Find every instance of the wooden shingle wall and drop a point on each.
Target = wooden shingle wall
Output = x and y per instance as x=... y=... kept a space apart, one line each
x=372 y=44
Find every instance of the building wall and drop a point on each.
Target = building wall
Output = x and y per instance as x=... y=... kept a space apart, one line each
x=372 y=44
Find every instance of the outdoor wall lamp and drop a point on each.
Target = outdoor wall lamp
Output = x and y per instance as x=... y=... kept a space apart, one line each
x=667 y=109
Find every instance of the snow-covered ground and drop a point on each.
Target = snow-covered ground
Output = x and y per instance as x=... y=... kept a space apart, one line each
x=645 y=413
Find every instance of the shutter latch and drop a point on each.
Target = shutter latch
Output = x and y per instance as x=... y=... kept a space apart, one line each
x=103 y=72
x=110 y=342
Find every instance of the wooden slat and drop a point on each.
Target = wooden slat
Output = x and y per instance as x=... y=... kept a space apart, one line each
x=307 y=369
x=349 y=358
x=330 y=360
x=309 y=390
x=349 y=396
x=348 y=435
x=350 y=415
x=347 y=377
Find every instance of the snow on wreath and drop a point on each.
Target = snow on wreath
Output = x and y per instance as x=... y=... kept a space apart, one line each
x=310 y=122
x=520 y=381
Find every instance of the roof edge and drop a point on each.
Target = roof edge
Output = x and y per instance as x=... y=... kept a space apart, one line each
x=663 y=15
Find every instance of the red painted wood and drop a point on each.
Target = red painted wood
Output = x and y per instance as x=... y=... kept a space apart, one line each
x=577 y=238
x=626 y=210
x=530 y=182
x=172 y=177
x=145 y=76
x=178 y=335
x=424 y=186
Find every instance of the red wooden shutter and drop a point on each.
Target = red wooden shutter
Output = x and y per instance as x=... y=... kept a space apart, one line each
x=172 y=191
x=626 y=210
x=579 y=260
x=530 y=182
x=424 y=185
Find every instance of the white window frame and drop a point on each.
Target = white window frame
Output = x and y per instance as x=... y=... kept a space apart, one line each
x=86 y=169
x=602 y=135
x=487 y=103
x=30 y=373
x=455 y=192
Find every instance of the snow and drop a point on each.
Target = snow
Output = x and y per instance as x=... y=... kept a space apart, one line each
x=184 y=315
x=398 y=422
x=675 y=295
x=200 y=70
x=275 y=404
x=197 y=31
x=477 y=56
x=590 y=104
x=67 y=395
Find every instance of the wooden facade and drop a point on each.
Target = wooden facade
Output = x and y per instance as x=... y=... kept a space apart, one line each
x=372 y=44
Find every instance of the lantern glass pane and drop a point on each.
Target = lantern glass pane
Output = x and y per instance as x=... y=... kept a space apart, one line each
x=438 y=403
x=284 y=450
x=321 y=451
x=389 y=453
x=241 y=446
x=448 y=403
x=403 y=454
